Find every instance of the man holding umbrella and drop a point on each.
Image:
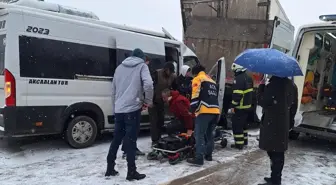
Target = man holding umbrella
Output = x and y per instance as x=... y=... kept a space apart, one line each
x=277 y=100
x=241 y=105
x=274 y=130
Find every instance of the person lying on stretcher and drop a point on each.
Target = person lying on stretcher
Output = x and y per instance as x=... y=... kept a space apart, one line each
x=179 y=106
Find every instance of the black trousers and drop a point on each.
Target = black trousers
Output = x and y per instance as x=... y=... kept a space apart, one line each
x=239 y=127
x=126 y=130
x=123 y=147
x=156 y=117
x=277 y=164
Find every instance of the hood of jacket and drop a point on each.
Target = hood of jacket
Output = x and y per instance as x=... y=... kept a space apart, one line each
x=174 y=94
x=132 y=61
x=184 y=70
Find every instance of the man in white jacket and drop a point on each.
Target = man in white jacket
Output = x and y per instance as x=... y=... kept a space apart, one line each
x=131 y=81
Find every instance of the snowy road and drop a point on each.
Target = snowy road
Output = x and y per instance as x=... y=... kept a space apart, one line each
x=52 y=162
x=308 y=162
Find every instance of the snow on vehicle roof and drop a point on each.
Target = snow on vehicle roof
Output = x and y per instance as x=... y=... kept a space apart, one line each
x=320 y=24
x=82 y=15
x=52 y=7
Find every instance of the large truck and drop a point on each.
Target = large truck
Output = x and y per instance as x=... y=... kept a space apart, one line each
x=215 y=28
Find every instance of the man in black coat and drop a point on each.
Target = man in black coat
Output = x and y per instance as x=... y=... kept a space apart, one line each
x=293 y=108
x=276 y=102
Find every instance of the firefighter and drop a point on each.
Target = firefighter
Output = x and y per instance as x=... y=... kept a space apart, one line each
x=242 y=90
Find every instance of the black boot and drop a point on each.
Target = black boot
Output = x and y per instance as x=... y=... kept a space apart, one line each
x=239 y=147
x=269 y=183
x=196 y=161
x=266 y=183
x=208 y=157
x=132 y=174
x=268 y=179
x=110 y=171
x=139 y=153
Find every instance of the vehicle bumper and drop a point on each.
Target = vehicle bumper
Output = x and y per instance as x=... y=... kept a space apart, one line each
x=29 y=121
x=316 y=131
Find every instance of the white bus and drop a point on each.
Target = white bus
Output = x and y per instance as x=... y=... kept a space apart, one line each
x=57 y=64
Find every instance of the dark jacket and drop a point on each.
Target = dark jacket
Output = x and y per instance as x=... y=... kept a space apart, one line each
x=294 y=106
x=277 y=100
x=161 y=82
x=179 y=106
x=260 y=93
x=184 y=86
x=242 y=91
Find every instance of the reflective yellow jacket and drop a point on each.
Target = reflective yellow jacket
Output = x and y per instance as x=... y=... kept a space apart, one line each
x=204 y=98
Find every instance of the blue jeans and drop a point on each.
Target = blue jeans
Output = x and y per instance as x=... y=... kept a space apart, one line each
x=205 y=124
x=126 y=130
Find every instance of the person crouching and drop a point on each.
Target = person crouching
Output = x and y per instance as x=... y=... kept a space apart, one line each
x=179 y=106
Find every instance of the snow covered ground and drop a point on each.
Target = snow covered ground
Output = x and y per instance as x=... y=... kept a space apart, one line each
x=308 y=162
x=52 y=162
x=311 y=162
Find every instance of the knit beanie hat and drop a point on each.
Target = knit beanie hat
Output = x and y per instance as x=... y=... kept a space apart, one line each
x=138 y=53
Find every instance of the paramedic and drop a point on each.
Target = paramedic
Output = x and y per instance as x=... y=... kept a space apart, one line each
x=204 y=103
x=276 y=103
x=184 y=81
x=131 y=81
x=242 y=90
x=179 y=106
x=163 y=79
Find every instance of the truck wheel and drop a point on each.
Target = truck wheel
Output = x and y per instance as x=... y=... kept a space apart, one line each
x=81 y=132
x=294 y=135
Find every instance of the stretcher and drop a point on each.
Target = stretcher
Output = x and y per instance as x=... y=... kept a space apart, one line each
x=176 y=148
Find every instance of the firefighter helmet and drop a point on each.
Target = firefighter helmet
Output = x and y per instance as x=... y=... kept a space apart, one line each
x=237 y=68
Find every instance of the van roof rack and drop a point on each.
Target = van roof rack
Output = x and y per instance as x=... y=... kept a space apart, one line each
x=328 y=18
x=42 y=5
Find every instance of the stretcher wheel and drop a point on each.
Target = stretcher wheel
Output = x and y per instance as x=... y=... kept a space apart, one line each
x=160 y=157
x=163 y=160
x=174 y=159
x=224 y=142
x=153 y=156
